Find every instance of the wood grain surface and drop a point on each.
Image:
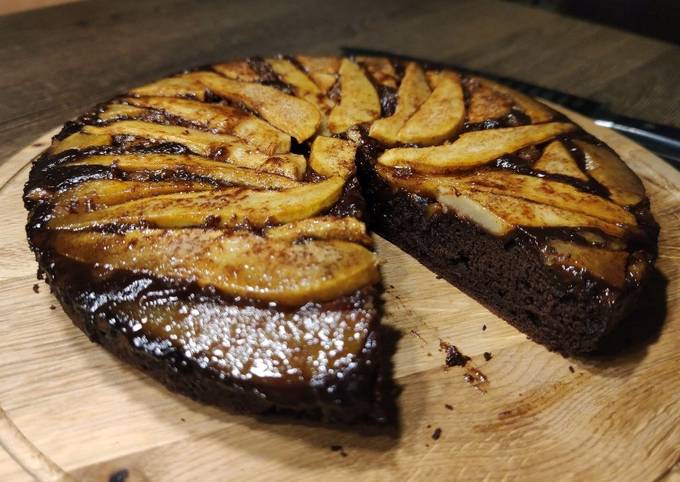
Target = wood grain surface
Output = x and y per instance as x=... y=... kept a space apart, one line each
x=69 y=410
x=57 y=62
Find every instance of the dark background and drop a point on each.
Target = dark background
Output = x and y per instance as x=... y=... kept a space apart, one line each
x=653 y=18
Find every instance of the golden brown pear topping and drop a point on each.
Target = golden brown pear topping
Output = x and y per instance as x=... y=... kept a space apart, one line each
x=625 y=188
x=413 y=92
x=473 y=149
x=332 y=157
x=440 y=116
x=227 y=208
x=238 y=264
x=359 y=100
x=219 y=118
x=255 y=147
x=556 y=159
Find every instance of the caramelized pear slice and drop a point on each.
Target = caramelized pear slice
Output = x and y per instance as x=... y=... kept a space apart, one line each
x=466 y=207
x=536 y=111
x=152 y=164
x=237 y=70
x=287 y=113
x=486 y=103
x=240 y=264
x=302 y=85
x=625 y=188
x=607 y=265
x=477 y=199
x=227 y=208
x=381 y=69
x=500 y=214
x=330 y=156
x=359 y=100
x=122 y=111
x=218 y=146
x=185 y=85
x=556 y=159
x=80 y=140
x=322 y=227
x=413 y=92
x=322 y=70
x=545 y=191
x=222 y=119
x=440 y=116
x=474 y=148
x=539 y=190
x=101 y=193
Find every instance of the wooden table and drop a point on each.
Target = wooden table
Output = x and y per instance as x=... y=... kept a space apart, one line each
x=57 y=62
x=581 y=419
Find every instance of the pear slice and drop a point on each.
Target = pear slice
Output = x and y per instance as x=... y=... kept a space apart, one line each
x=227 y=208
x=322 y=70
x=625 y=188
x=607 y=265
x=359 y=100
x=539 y=190
x=476 y=199
x=302 y=85
x=381 y=69
x=467 y=207
x=221 y=119
x=536 y=111
x=486 y=103
x=101 y=193
x=440 y=116
x=509 y=212
x=122 y=111
x=545 y=191
x=239 y=264
x=237 y=70
x=185 y=85
x=330 y=156
x=412 y=93
x=80 y=140
x=474 y=148
x=556 y=159
x=287 y=113
x=322 y=227
x=160 y=164
x=217 y=146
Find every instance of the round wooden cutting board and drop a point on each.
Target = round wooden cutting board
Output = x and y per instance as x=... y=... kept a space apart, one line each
x=70 y=410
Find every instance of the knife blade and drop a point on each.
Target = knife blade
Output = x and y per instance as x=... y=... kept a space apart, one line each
x=662 y=140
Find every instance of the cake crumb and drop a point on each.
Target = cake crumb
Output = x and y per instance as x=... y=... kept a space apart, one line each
x=477 y=379
x=437 y=433
x=338 y=448
x=488 y=356
x=448 y=407
x=453 y=356
x=36 y=288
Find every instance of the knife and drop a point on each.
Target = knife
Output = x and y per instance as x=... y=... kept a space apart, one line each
x=662 y=140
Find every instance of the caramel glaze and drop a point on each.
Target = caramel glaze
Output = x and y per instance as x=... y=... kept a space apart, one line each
x=319 y=358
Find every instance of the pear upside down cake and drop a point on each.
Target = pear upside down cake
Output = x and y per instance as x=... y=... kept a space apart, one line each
x=209 y=227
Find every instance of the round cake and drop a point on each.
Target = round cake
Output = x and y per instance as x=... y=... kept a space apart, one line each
x=210 y=227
